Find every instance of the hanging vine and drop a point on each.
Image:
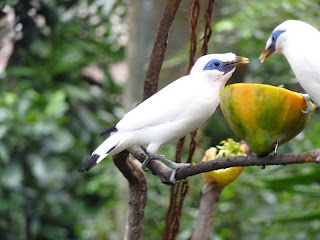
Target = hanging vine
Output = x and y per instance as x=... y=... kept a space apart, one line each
x=180 y=190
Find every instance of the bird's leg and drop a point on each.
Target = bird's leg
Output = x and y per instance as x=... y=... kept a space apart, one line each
x=173 y=165
x=307 y=99
x=167 y=162
x=276 y=146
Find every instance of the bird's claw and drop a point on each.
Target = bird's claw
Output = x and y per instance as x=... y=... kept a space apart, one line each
x=172 y=178
x=306 y=97
x=173 y=165
x=276 y=146
x=145 y=163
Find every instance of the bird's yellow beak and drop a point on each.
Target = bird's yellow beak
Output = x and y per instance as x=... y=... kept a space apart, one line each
x=264 y=55
x=241 y=60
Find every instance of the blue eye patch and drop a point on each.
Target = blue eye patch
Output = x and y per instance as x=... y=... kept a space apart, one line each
x=274 y=37
x=216 y=64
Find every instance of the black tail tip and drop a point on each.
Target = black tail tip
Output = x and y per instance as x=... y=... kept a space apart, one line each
x=89 y=163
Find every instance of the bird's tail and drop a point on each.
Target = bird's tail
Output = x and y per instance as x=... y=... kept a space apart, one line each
x=109 y=147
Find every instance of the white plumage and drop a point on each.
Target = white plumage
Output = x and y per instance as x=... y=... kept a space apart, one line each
x=173 y=112
x=299 y=42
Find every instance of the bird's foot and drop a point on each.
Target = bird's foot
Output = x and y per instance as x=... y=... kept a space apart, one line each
x=276 y=146
x=173 y=165
x=307 y=99
x=145 y=163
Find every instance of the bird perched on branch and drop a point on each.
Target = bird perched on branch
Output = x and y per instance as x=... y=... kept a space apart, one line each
x=299 y=42
x=173 y=112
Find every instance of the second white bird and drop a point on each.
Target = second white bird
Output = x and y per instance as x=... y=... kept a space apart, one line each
x=299 y=42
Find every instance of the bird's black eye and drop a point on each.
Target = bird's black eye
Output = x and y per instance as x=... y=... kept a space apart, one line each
x=273 y=38
x=216 y=64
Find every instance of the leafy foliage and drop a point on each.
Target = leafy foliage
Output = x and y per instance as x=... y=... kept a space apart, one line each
x=51 y=114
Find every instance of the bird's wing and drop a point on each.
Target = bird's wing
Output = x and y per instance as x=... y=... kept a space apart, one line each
x=172 y=103
x=304 y=59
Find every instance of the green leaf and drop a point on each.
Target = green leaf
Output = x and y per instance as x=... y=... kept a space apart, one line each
x=11 y=2
x=5 y=114
x=298 y=178
x=88 y=120
x=4 y=153
x=66 y=59
x=9 y=98
x=57 y=105
x=77 y=93
x=61 y=141
x=302 y=217
x=25 y=102
x=308 y=191
x=12 y=175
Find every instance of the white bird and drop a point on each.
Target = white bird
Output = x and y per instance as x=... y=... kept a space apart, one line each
x=173 y=112
x=299 y=42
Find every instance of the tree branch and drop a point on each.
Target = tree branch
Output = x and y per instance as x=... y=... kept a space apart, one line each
x=164 y=172
x=7 y=37
x=251 y=160
x=208 y=207
x=159 y=49
x=137 y=193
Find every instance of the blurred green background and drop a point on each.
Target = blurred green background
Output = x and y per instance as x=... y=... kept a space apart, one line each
x=71 y=74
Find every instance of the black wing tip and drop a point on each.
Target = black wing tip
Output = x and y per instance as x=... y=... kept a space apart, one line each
x=109 y=131
x=89 y=163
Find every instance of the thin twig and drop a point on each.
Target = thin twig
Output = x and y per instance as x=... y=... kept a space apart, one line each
x=159 y=49
x=208 y=27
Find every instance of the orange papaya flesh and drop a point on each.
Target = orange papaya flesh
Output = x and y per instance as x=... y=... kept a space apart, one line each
x=222 y=177
x=262 y=114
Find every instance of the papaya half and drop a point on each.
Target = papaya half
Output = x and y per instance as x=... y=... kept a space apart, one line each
x=261 y=114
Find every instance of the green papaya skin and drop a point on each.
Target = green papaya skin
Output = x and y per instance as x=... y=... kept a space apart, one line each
x=262 y=114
